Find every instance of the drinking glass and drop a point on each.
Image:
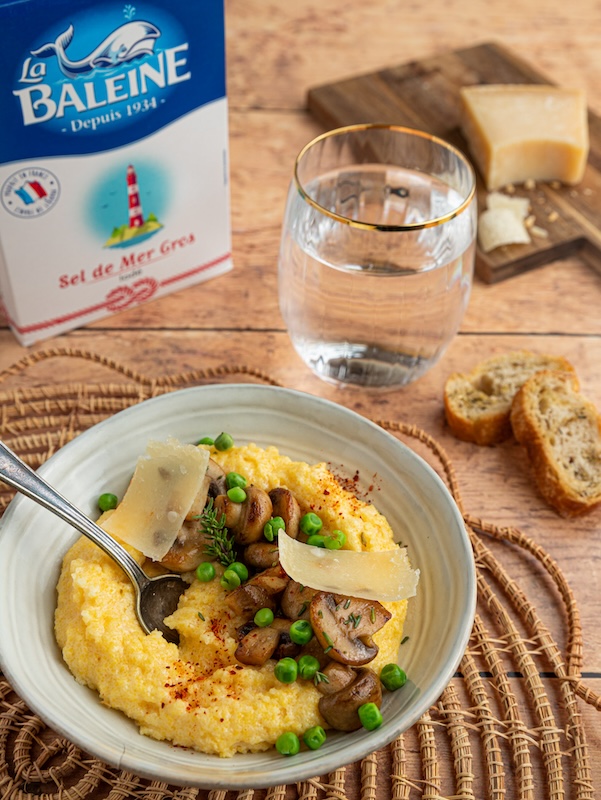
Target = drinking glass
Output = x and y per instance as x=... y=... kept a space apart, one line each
x=377 y=253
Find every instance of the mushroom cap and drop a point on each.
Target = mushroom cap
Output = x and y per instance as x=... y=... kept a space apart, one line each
x=188 y=549
x=344 y=626
x=272 y=580
x=296 y=600
x=258 y=646
x=338 y=676
x=285 y=505
x=224 y=507
x=313 y=648
x=216 y=476
x=286 y=647
x=247 y=599
x=245 y=520
x=257 y=510
x=212 y=485
x=340 y=709
x=261 y=555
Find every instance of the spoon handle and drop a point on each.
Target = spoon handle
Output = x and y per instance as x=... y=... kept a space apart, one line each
x=17 y=474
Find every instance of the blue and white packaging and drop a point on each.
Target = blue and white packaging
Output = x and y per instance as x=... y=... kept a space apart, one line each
x=113 y=157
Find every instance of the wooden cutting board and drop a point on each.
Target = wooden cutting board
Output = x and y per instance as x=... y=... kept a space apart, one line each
x=425 y=95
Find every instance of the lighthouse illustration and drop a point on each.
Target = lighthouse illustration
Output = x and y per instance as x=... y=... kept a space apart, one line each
x=136 y=229
x=136 y=219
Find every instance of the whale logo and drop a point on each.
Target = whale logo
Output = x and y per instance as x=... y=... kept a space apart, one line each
x=129 y=41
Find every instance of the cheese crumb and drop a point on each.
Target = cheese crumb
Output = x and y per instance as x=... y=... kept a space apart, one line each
x=541 y=233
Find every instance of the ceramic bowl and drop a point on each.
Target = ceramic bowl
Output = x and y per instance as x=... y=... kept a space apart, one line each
x=419 y=507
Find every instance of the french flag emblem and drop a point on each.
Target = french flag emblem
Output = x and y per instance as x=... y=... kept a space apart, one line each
x=30 y=192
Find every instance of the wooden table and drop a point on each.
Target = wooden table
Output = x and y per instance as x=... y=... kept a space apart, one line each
x=276 y=51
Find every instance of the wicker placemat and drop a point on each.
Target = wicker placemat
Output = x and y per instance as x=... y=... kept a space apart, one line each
x=509 y=724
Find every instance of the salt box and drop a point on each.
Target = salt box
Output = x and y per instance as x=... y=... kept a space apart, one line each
x=113 y=157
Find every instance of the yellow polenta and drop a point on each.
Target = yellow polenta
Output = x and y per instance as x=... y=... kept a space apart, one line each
x=197 y=695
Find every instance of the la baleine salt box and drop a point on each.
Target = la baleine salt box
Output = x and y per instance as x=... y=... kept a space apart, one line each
x=113 y=156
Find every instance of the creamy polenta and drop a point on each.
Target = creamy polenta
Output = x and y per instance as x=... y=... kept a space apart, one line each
x=198 y=694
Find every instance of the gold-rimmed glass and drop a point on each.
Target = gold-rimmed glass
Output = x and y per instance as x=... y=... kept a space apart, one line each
x=377 y=253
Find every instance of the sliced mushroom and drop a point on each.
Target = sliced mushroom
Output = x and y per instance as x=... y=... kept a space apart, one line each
x=212 y=485
x=261 y=555
x=247 y=599
x=337 y=677
x=286 y=647
x=273 y=580
x=261 y=591
x=258 y=646
x=188 y=550
x=313 y=648
x=245 y=520
x=244 y=629
x=344 y=626
x=296 y=600
x=216 y=476
x=285 y=505
x=340 y=709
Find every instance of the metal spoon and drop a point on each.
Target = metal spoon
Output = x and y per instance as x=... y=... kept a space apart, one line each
x=156 y=598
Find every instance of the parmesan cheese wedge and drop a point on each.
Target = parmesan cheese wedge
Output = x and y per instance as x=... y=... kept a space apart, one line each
x=164 y=485
x=521 y=132
x=384 y=575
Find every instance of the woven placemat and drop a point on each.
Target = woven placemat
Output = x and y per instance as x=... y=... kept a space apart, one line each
x=508 y=725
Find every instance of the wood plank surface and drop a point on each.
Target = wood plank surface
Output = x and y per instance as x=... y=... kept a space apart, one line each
x=425 y=95
x=276 y=53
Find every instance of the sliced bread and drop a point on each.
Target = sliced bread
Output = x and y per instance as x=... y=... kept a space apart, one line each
x=478 y=403
x=562 y=433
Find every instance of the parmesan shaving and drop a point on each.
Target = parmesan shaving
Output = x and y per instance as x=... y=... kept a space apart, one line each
x=384 y=575
x=517 y=205
x=164 y=485
x=500 y=226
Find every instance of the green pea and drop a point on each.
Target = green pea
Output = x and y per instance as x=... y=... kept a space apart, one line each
x=287 y=744
x=286 y=670
x=236 y=494
x=205 y=571
x=273 y=527
x=233 y=479
x=206 y=440
x=310 y=523
x=314 y=737
x=317 y=540
x=240 y=569
x=393 y=677
x=308 y=667
x=301 y=631
x=370 y=716
x=335 y=540
x=224 y=442
x=263 y=617
x=230 y=579
x=107 y=501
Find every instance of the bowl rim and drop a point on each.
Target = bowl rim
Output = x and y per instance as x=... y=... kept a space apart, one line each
x=293 y=769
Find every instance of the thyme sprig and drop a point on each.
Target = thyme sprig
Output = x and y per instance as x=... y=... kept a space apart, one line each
x=320 y=677
x=221 y=541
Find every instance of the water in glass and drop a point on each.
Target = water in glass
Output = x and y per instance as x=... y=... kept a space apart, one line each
x=374 y=307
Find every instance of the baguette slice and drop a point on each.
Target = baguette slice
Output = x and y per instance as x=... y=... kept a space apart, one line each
x=478 y=403
x=562 y=433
